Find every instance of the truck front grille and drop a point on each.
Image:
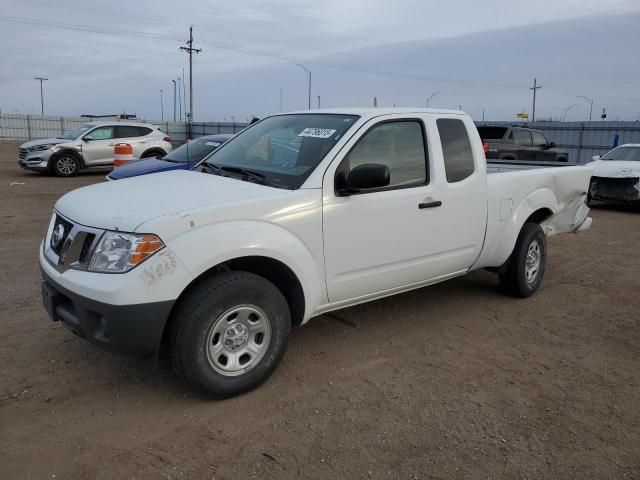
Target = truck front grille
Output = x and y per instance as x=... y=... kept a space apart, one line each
x=22 y=153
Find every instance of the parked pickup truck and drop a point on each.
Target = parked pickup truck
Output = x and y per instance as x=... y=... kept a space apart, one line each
x=519 y=143
x=298 y=215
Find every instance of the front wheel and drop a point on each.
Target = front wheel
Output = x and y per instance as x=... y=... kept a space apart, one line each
x=527 y=263
x=230 y=334
x=66 y=165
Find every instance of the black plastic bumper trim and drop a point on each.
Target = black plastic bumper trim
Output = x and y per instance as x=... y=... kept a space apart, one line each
x=130 y=329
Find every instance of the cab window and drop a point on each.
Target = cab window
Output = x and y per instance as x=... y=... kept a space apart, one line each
x=539 y=140
x=400 y=145
x=100 y=133
x=456 y=149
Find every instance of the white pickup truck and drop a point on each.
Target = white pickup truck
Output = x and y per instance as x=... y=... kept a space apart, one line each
x=300 y=214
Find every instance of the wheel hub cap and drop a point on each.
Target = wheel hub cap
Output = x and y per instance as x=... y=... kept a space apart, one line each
x=236 y=337
x=238 y=340
x=534 y=256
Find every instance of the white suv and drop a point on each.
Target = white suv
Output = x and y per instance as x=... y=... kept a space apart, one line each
x=91 y=145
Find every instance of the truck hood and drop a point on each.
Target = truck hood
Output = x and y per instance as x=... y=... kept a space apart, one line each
x=44 y=141
x=616 y=168
x=125 y=204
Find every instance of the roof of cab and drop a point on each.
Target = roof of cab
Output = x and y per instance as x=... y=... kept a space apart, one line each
x=372 y=112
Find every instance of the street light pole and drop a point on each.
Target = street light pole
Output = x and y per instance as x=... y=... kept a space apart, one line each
x=590 y=105
x=431 y=97
x=309 y=74
x=41 y=79
x=174 y=100
x=180 y=99
x=318 y=101
x=564 y=118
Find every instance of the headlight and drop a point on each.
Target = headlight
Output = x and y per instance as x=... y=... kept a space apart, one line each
x=120 y=252
x=39 y=148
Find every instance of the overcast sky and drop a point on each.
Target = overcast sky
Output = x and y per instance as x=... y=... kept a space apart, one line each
x=108 y=57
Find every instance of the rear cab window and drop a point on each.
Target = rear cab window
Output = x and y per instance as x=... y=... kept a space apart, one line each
x=456 y=149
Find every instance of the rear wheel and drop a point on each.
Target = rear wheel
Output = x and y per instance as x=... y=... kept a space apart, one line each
x=66 y=165
x=230 y=334
x=527 y=263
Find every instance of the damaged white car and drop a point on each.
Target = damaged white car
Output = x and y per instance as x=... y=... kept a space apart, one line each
x=616 y=175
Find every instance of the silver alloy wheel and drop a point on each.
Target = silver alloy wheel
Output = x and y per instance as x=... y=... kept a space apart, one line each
x=238 y=340
x=66 y=165
x=534 y=258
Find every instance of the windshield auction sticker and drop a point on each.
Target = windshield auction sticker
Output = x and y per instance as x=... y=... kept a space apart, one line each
x=316 y=132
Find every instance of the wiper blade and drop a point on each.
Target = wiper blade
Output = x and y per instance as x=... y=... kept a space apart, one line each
x=244 y=171
x=248 y=173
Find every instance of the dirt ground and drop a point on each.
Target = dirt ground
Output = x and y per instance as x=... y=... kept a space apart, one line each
x=450 y=381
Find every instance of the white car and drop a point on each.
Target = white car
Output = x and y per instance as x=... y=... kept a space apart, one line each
x=616 y=175
x=91 y=145
x=298 y=215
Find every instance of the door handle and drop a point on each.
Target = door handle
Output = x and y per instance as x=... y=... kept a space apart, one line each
x=111 y=145
x=433 y=204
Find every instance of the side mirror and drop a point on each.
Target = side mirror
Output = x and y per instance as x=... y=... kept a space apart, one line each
x=552 y=145
x=367 y=176
x=595 y=158
x=87 y=139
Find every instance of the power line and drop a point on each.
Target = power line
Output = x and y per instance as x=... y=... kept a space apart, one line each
x=254 y=51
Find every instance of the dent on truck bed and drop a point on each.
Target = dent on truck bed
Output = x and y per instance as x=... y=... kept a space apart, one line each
x=572 y=213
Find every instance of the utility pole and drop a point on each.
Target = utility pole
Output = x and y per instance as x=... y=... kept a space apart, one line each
x=161 y=107
x=174 y=100
x=590 y=103
x=41 y=79
x=184 y=96
x=309 y=74
x=535 y=88
x=483 y=114
x=375 y=101
x=318 y=101
x=190 y=51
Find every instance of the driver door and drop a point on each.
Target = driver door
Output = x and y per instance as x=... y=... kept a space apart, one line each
x=97 y=146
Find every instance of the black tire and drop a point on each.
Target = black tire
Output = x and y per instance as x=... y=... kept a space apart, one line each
x=65 y=165
x=518 y=280
x=153 y=153
x=204 y=310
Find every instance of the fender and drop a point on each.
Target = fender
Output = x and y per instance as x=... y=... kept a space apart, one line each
x=505 y=228
x=229 y=240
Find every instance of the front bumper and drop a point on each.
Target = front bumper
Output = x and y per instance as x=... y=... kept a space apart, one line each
x=131 y=329
x=612 y=189
x=36 y=161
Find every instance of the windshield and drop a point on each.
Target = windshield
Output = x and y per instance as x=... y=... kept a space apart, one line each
x=624 y=153
x=194 y=151
x=73 y=134
x=283 y=149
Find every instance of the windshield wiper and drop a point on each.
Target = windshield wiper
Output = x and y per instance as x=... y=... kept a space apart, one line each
x=259 y=177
